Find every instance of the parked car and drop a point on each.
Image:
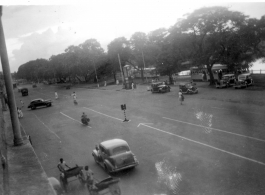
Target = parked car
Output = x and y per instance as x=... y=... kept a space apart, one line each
x=220 y=84
x=39 y=103
x=229 y=79
x=114 y=155
x=159 y=87
x=24 y=91
x=188 y=88
x=240 y=84
x=246 y=77
x=34 y=85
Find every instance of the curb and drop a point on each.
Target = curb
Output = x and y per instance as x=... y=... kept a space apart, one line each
x=25 y=173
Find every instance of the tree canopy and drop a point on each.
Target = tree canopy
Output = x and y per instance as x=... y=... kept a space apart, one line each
x=206 y=36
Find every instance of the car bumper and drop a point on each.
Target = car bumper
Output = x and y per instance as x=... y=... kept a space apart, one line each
x=125 y=167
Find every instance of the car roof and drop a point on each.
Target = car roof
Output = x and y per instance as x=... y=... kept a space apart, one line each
x=110 y=144
x=157 y=83
x=36 y=99
x=245 y=74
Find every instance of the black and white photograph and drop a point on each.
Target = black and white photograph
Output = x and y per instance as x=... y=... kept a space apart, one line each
x=132 y=97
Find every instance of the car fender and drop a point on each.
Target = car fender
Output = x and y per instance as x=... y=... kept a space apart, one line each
x=95 y=153
x=108 y=164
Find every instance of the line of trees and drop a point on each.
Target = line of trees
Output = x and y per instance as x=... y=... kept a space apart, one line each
x=204 y=37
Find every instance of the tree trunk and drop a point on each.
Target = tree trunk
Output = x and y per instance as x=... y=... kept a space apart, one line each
x=209 y=68
x=142 y=74
x=170 y=79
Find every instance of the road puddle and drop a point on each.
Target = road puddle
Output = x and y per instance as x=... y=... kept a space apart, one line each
x=205 y=120
x=168 y=176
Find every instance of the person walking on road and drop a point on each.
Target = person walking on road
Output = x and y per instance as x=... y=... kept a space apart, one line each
x=181 y=97
x=22 y=104
x=19 y=112
x=56 y=95
x=74 y=98
x=88 y=177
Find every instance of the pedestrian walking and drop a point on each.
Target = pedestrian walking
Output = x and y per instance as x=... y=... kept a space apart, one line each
x=181 y=97
x=22 y=104
x=19 y=112
x=132 y=86
x=74 y=98
x=56 y=95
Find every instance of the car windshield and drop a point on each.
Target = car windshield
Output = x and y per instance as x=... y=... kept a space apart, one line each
x=120 y=149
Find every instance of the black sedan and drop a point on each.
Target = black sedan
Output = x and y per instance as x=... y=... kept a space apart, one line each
x=39 y=103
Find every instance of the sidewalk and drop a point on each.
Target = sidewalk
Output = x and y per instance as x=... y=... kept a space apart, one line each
x=25 y=173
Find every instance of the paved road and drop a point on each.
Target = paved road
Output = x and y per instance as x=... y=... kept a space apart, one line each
x=205 y=146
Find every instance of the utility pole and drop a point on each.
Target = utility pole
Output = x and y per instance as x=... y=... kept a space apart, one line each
x=9 y=87
x=95 y=72
x=123 y=83
x=144 y=65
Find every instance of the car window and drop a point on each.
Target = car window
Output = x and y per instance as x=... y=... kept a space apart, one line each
x=120 y=149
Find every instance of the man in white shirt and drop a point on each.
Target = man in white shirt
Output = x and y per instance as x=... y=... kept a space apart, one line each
x=62 y=166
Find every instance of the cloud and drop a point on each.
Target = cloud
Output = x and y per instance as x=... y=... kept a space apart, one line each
x=42 y=45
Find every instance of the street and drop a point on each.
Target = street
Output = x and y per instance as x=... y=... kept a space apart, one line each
x=205 y=146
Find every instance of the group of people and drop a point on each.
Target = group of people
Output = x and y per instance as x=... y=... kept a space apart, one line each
x=73 y=95
x=87 y=174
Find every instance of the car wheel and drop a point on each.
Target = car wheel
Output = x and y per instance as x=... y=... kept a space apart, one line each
x=106 y=169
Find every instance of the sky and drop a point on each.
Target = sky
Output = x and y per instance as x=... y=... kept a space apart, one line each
x=40 y=29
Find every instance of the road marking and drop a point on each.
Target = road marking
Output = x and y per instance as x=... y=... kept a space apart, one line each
x=74 y=119
x=104 y=114
x=224 y=151
x=46 y=126
x=257 y=139
x=144 y=124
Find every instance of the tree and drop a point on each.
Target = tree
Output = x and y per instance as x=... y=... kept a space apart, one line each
x=210 y=29
x=119 y=46
x=139 y=47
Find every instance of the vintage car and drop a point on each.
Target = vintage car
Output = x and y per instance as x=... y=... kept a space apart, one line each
x=24 y=91
x=229 y=79
x=159 y=87
x=188 y=88
x=39 y=103
x=240 y=84
x=220 y=84
x=246 y=77
x=114 y=155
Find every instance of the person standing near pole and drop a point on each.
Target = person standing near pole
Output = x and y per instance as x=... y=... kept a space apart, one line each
x=20 y=113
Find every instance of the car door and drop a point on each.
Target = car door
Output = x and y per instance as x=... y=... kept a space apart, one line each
x=100 y=153
x=104 y=154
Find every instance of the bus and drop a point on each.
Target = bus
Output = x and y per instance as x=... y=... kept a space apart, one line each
x=202 y=74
